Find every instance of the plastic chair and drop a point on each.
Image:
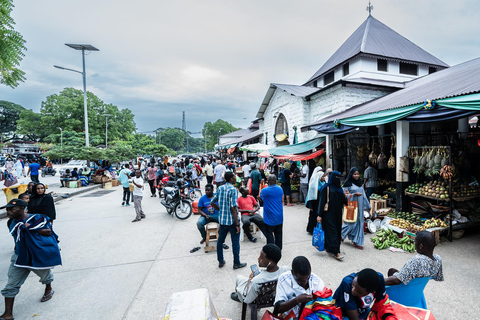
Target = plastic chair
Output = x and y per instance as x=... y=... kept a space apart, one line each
x=265 y=299
x=410 y=295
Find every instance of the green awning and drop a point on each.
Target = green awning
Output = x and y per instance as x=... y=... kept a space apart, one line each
x=297 y=148
x=256 y=147
x=469 y=102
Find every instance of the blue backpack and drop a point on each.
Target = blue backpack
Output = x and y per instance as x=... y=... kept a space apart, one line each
x=281 y=176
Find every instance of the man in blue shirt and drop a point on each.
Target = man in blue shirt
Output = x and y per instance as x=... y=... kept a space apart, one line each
x=273 y=211
x=33 y=170
x=358 y=292
x=225 y=201
x=206 y=211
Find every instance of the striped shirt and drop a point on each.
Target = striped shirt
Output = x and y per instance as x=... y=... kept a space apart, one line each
x=226 y=198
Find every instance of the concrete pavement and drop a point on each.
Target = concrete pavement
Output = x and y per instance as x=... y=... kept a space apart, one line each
x=116 y=269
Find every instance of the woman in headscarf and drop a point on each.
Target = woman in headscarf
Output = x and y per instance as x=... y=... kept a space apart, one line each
x=41 y=202
x=353 y=187
x=332 y=195
x=19 y=168
x=316 y=183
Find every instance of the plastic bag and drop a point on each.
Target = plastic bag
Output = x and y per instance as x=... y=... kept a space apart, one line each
x=318 y=239
x=270 y=316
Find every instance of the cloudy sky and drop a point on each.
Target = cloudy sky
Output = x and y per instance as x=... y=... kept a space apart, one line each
x=213 y=59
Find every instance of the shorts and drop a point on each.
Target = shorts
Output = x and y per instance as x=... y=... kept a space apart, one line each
x=287 y=191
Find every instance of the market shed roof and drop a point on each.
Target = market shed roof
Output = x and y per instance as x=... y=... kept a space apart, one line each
x=459 y=80
x=376 y=39
x=247 y=137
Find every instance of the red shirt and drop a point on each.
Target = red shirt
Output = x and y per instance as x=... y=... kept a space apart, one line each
x=247 y=203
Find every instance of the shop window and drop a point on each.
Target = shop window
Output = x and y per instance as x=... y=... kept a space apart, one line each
x=408 y=68
x=329 y=78
x=432 y=70
x=346 y=69
x=382 y=65
x=281 y=126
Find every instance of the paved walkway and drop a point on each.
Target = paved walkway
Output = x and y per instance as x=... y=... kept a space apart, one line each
x=116 y=269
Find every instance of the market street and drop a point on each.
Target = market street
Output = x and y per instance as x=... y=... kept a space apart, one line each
x=116 y=269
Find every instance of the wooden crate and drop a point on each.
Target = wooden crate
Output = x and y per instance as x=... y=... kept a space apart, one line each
x=377 y=204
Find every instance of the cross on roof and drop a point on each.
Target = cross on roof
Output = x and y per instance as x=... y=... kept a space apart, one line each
x=369 y=8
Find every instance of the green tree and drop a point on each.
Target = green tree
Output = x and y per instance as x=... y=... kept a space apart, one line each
x=212 y=131
x=65 y=110
x=12 y=47
x=9 y=114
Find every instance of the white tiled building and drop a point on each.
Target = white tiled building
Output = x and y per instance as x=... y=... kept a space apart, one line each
x=373 y=62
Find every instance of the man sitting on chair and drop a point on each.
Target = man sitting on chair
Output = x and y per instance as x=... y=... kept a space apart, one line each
x=424 y=264
x=247 y=289
x=248 y=207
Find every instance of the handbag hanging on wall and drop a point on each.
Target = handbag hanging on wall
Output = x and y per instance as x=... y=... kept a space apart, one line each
x=350 y=211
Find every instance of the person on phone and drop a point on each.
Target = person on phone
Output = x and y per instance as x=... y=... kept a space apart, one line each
x=247 y=289
x=295 y=288
x=206 y=211
x=353 y=187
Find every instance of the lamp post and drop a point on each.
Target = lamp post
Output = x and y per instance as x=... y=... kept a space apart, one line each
x=61 y=142
x=106 y=130
x=83 y=47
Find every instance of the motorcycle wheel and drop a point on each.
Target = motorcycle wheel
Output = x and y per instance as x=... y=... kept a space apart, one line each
x=43 y=174
x=195 y=194
x=183 y=209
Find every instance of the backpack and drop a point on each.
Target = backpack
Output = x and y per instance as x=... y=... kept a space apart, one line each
x=281 y=176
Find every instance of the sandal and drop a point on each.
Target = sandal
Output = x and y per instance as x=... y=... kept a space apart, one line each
x=339 y=257
x=357 y=246
x=195 y=249
x=47 y=297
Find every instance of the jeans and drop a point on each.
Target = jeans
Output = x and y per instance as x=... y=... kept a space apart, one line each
x=224 y=230
x=202 y=222
x=126 y=195
x=209 y=179
x=274 y=234
x=257 y=219
x=303 y=192
x=34 y=178
x=369 y=192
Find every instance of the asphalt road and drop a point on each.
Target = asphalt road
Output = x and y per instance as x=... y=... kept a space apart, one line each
x=116 y=269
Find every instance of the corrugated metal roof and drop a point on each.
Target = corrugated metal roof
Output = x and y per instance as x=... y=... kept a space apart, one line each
x=246 y=137
x=235 y=134
x=299 y=91
x=375 y=38
x=459 y=80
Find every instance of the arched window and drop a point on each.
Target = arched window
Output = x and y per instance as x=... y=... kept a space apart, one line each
x=281 y=126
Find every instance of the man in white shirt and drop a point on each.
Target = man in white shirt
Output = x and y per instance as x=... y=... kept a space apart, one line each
x=218 y=173
x=303 y=181
x=295 y=288
x=209 y=171
x=246 y=172
x=138 y=195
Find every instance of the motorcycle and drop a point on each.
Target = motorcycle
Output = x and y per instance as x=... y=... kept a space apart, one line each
x=48 y=170
x=176 y=200
x=193 y=192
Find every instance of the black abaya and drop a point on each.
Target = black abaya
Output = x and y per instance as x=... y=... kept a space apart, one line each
x=331 y=219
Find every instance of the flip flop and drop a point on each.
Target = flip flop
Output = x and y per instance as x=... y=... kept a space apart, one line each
x=195 y=249
x=47 y=296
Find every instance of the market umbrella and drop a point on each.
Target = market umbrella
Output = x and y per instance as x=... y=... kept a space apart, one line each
x=264 y=154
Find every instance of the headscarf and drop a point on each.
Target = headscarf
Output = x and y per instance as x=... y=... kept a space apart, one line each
x=349 y=181
x=314 y=183
x=42 y=203
x=333 y=182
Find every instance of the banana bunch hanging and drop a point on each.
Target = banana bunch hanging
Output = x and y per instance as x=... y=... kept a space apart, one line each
x=391 y=161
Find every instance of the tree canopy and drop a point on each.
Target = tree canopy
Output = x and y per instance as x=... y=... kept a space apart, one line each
x=212 y=131
x=12 y=47
x=65 y=110
x=9 y=114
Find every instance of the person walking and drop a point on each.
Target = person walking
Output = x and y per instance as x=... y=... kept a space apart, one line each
x=33 y=171
x=246 y=172
x=225 y=201
x=331 y=199
x=19 y=169
x=303 y=181
x=151 y=176
x=209 y=171
x=353 y=187
x=218 y=174
x=138 y=196
x=314 y=186
x=285 y=177
x=124 y=178
x=256 y=177
x=36 y=249
x=42 y=203
x=273 y=211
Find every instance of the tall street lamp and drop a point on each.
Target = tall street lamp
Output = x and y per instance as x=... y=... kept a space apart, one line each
x=83 y=47
x=61 y=142
x=106 y=130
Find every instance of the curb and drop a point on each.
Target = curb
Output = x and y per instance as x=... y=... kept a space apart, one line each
x=3 y=214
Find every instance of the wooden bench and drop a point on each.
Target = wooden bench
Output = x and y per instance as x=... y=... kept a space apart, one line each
x=212 y=234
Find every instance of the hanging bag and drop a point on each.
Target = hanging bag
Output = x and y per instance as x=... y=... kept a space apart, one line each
x=350 y=211
x=318 y=239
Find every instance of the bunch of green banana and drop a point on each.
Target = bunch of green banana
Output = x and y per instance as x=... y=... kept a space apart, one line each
x=386 y=238
x=405 y=243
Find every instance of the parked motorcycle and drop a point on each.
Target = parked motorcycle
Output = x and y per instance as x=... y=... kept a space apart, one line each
x=176 y=200
x=48 y=170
